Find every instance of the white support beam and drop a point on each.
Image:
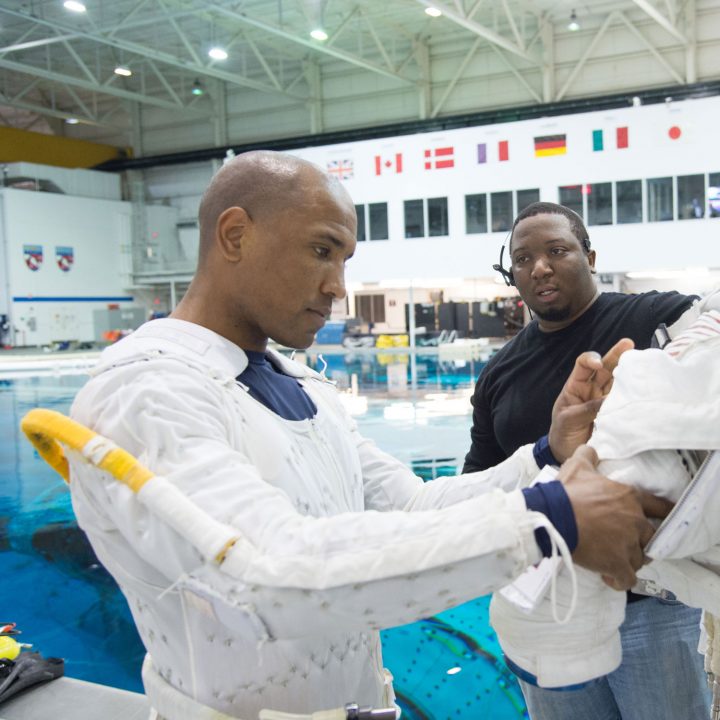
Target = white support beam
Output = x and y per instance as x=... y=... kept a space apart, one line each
x=22 y=43
x=71 y=92
x=220 y=116
x=424 y=86
x=547 y=33
x=300 y=76
x=533 y=93
x=513 y=25
x=588 y=52
x=84 y=84
x=660 y=19
x=178 y=31
x=474 y=9
x=676 y=76
x=261 y=59
x=30 y=86
x=155 y=54
x=456 y=77
x=79 y=61
x=337 y=31
x=691 y=47
x=378 y=44
x=307 y=42
x=50 y=112
x=126 y=20
x=481 y=30
x=170 y=91
x=315 y=103
x=137 y=129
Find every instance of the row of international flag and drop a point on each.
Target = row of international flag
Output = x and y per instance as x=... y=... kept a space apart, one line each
x=440 y=158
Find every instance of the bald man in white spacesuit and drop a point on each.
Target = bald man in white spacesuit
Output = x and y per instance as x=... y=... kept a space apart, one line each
x=335 y=539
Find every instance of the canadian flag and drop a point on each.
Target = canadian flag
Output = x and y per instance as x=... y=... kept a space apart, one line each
x=438 y=158
x=388 y=164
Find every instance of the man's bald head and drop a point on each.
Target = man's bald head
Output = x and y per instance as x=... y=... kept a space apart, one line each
x=264 y=184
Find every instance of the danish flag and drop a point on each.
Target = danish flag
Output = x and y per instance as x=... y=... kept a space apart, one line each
x=439 y=158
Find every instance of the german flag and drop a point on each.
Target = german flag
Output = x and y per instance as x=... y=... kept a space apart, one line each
x=550 y=145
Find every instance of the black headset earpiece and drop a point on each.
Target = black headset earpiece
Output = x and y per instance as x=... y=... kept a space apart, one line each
x=507 y=274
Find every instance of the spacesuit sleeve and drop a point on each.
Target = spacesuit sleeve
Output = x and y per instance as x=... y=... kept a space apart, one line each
x=390 y=485
x=710 y=301
x=351 y=571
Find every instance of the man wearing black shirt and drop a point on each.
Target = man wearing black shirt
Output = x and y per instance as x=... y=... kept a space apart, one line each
x=552 y=267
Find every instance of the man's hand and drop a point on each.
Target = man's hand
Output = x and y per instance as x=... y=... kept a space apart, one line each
x=611 y=520
x=580 y=399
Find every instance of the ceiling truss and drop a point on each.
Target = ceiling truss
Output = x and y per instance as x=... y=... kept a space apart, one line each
x=61 y=66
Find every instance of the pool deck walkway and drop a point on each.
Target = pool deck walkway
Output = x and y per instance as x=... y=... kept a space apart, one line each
x=71 y=699
x=29 y=362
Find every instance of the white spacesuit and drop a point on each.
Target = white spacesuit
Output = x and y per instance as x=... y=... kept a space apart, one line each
x=328 y=554
x=662 y=402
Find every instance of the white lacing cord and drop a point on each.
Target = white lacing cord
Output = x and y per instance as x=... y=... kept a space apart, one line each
x=559 y=548
x=325 y=365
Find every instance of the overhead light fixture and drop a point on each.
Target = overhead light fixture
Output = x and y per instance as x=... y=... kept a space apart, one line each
x=319 y=34
x=122 y=70
x=636 y=101
x=217 y=53
x=72 y=121
x=197 y=89
x=433 y=11
x=573 y=25
x=74 y=6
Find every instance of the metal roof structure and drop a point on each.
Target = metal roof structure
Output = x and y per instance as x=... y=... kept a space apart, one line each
x=383 y=61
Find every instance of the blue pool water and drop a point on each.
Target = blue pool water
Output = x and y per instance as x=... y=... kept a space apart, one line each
x=68 y=606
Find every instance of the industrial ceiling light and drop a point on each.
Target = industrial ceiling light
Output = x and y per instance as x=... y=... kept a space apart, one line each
x=433 y=11
x=573 y=25
x=72 y=121
x=75 y=6
x=122 y=70
x=197 y=89
x=318 y=23
x=217 y=53
x=319 y=34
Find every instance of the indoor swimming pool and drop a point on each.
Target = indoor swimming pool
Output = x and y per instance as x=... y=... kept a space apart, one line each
x=447 y=666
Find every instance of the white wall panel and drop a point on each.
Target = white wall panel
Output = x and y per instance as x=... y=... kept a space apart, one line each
x=621 y=248
x=50 y=304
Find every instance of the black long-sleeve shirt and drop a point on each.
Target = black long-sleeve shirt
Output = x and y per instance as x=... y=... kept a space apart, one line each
x=516 y=390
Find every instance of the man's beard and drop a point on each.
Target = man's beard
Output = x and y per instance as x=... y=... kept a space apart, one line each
x=554 y=314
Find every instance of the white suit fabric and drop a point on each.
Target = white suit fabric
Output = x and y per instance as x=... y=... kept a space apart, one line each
x=662 y=401
x=346 y=540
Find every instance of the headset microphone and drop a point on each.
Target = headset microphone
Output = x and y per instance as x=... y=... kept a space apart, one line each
x=506 y=274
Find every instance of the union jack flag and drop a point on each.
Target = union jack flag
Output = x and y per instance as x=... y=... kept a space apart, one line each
x=341 y=169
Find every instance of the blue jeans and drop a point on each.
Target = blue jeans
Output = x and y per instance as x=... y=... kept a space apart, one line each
x=661 y=676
